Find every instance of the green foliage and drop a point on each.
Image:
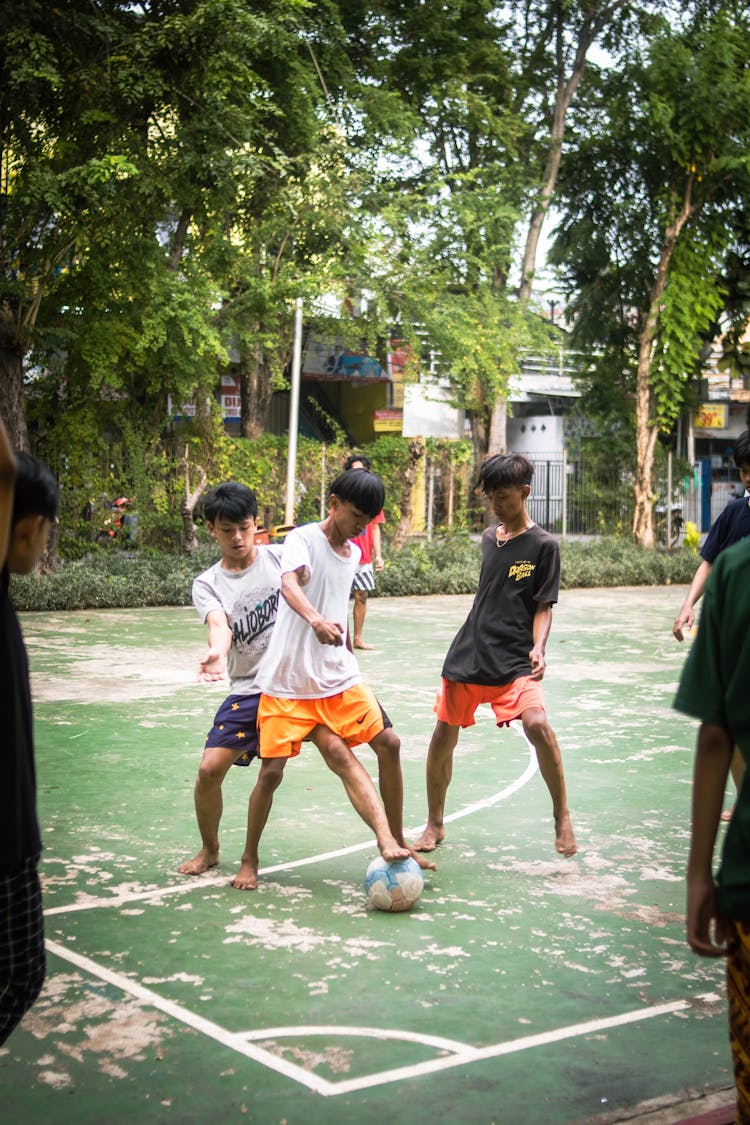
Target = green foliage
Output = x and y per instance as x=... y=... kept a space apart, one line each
x=444 y=565
x=692 y=537
x=447 y=565
x=656 y=143
x=112 y=581
x=615 y=561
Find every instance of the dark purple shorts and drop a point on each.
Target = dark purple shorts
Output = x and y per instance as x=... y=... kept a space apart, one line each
x=236 y=727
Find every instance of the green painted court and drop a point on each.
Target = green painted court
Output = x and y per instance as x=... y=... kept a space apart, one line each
x=522 y=987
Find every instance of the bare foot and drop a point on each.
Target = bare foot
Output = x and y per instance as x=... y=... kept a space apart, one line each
x=424 y=863
x=565 y=841
x=727 y=814
x=430 y=838
x=205 y=858
x=391 y=850
x=246 y=878
x=361 y=644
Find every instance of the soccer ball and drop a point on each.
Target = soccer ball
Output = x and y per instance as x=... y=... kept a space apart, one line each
x=393 y=886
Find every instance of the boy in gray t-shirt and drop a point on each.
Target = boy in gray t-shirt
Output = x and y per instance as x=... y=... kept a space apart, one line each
x=237 y=598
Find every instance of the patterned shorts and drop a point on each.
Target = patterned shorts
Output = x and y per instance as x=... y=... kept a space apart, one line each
x=236 y=727
x=738 y=993
x=22 y=958
x=364 y=578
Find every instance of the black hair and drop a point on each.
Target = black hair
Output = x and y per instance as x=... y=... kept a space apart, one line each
x=365 y=460
x=363 y=489
x=742 y=449
x=230 y=501
x=36 y=492
x=504 y=470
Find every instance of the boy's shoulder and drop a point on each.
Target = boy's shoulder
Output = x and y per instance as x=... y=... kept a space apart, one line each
x=270 y=552
x=734 y=508
x=269 y=555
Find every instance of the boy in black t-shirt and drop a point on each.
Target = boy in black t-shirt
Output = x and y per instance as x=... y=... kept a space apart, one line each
x=28 y=507
x=497 y=657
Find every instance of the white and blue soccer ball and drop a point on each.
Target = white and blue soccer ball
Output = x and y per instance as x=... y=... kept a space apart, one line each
x=393 y=886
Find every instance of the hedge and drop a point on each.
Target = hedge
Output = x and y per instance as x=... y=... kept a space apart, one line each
x=444 y=565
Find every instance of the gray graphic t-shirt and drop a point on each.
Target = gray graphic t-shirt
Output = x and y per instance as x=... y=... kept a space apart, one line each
x=249 y=599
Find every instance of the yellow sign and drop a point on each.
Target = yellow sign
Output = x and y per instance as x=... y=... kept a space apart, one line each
x=388 y=421
x=711 y=416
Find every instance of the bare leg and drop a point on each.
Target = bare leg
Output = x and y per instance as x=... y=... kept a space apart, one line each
x=258 y=807
x=544 y=741
x=215 y=762
x=387 y=746
x=359 y=788
x=439 y=774
x=360 y=609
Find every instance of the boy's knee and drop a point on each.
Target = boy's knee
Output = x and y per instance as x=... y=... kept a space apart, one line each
x=271 y=773
x=535 y=725
x=211 y=771
x=334 y=751
x=387 y=743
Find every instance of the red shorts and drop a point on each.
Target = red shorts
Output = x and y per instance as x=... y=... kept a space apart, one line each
x=354 y=715
x=456 y=703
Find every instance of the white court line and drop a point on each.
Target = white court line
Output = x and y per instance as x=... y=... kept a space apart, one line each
x=496 y=1050
x=385 y=1033
x=183 y=1015
x=200 y=883
x=462 y=1055
x=244 y=1043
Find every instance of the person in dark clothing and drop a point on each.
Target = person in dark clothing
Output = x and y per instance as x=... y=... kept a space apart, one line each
x=28 y=507
x=498 y=656
x=730 y=527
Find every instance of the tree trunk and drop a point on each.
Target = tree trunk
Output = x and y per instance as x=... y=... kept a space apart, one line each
x=416 y=453
x=498 y=437
x=255 y=393
x=11 y=382
x=566 y=88
x=646 y=424
x=480 y=434
x=189 y=538
x=177 y=247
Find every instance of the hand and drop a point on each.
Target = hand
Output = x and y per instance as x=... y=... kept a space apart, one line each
x=213 y=666
x=538 y=663
x=701 y=913
x=328 y=632
x=684 y=620
x=379 y=564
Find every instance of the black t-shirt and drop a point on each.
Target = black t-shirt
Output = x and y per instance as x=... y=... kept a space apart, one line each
x=493 y=645
x=729 y=527
x=19 y=828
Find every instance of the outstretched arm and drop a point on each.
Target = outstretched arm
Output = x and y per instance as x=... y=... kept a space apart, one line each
x=7 y=482
x=213 y=664
x=712 y=757
x=685 y=619
x=327 y=632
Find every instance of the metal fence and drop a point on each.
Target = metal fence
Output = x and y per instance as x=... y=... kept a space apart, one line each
x=574 y=498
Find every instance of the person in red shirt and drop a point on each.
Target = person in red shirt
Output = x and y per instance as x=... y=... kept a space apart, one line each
x=369 y=544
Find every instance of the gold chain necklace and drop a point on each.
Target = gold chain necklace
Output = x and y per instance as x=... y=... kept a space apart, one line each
x=513 y=535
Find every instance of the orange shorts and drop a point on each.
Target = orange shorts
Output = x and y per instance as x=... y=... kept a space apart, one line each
x=354 y=715
x=456 y=703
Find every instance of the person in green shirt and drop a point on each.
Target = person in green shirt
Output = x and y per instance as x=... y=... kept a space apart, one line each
x=713 y=688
